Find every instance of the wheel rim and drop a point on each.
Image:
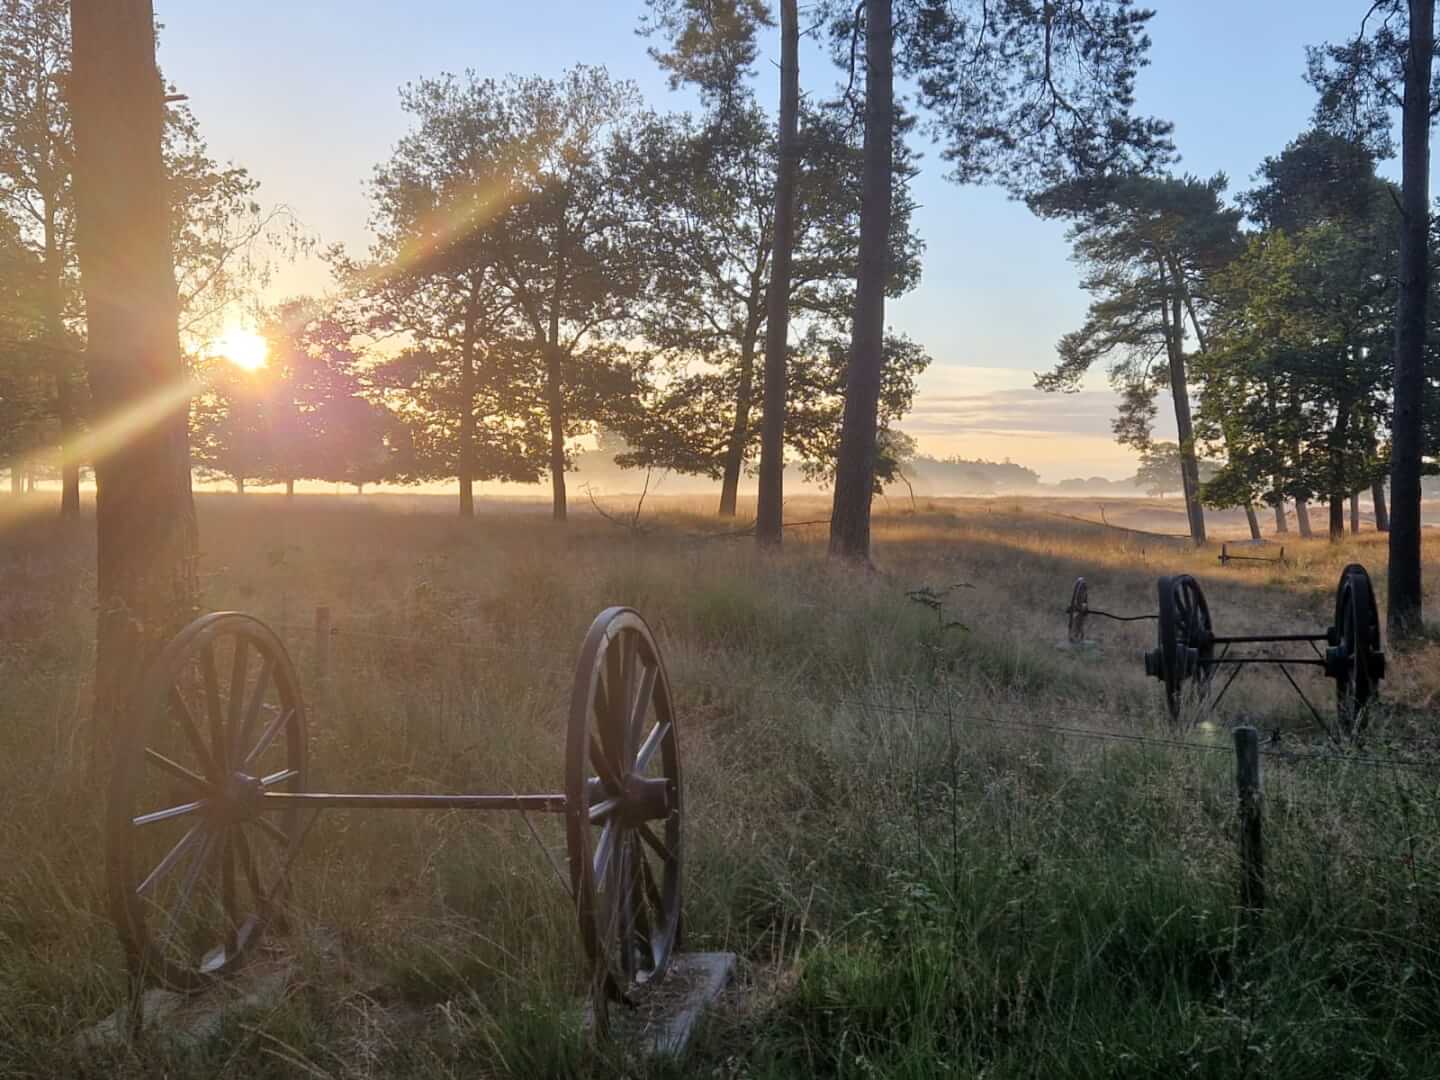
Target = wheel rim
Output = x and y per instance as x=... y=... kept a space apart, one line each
x=623 y=818
x=197 y=870
x=1186 y=640
x=1357 y=619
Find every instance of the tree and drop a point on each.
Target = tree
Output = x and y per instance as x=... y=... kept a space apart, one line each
x=504 y=228
x=1162 y=469
x=1148 y=245
x=1389 y=63
x=1018 y=92
x=25 y=407
x=145 y=517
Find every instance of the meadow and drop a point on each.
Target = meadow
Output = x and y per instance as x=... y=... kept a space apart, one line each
x=939 y=843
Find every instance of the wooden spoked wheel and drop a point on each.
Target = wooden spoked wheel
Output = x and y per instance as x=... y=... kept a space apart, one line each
x=623 y=808
x=1079 y=608
x=196 y=870
x=1187 y=640
x=1356 y=661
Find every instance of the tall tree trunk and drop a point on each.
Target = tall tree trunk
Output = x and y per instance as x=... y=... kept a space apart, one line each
x=1281 y=525
x=239 y=485
x=1302 y=519
x=1406 y=426
x=740 y=428
x=145 y=513
x=1180 y=392
x=465 y=467
x=769 y=511
x=1253 y=521
x=1382 y=515
x=17 y=481
x=64 y=370
x=855 y=464
x=1337 y=518
x=1354 y=513
x=555 y=402
x=289 y=487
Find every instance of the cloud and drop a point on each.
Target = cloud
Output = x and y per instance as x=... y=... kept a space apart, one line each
x=997 y=413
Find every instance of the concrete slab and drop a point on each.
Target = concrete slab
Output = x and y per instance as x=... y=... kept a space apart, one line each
x=665 y=1017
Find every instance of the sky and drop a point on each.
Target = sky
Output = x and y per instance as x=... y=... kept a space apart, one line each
x=303 y=93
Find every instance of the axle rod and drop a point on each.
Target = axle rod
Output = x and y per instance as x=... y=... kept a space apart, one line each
x=1257 y=639
x=1307 y=661
x=538 y=804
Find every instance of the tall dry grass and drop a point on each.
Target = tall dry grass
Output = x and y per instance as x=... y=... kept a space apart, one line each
x=919 y=879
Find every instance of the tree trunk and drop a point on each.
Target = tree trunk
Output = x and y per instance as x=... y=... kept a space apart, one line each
x=1180 y=392
x=1354 y=513
x=855 y=464
x=1382 y=515
x=1253 y=521
x=1337 y=518
x=740 y=429
x=769 y=511
x=289 y=487
x=17 y=481
x=359 y=489
x=1302 y=519
x=239 y=485
x=555 y=401
x=465 y=467
x=1406 y=426
x=1281 y=525
x=145 y=513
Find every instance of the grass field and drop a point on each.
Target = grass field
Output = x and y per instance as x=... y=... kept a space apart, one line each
x=920 y=876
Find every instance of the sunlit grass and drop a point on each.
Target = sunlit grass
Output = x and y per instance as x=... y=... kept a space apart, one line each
x=914 y=887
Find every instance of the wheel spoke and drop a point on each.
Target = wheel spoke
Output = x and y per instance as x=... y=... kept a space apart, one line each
x=640 y=708
x=278 y=777
x=212 y=707
x=656 y=844
x=602 y=765
x=173 y=856
x=239 y=670
x=178 y=771
x=227 y=893
x=625 y=706
x=247 y=861
x=186 y=888
x=652 y=742
x=270 y=829
x=252 y=712
x=168 y=813
x=267 y=736
x=604 y=850
x=192 y=732
x=602 y=808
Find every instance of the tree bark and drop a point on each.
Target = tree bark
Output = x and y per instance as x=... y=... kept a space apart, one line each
x=145 y=513
x=1337 y=518
x=465 y=467
x=740 y=429
x=1302 y=519
x=769 y=511
x=1382 y=515
x=1406 y=426
x=1281 y=525
x=1355 y=513
x=855 y=465
x=1253 y=521
x=1170 y=311
x=53 y=299
x=555 y=402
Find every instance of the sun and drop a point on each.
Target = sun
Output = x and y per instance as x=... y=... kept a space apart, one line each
x=243 y=348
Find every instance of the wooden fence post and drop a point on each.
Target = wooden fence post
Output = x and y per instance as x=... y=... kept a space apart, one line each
x=1252 y=846
x=322 y=653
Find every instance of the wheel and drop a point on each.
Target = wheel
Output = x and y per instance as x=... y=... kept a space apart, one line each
x=1079 y=608
x=623 y=808
x=1186 y=641
x=1355 y=661
x=196 y=871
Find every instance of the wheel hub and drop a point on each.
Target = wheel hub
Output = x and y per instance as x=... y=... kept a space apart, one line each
x=241 y=800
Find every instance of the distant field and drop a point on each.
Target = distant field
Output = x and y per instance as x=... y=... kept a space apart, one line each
x=921 y=876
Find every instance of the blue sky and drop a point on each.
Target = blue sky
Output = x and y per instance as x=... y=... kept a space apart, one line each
x=303 y=93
